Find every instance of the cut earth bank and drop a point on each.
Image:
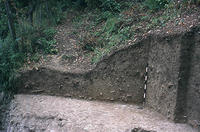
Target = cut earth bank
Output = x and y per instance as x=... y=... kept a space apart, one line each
x=173 y=86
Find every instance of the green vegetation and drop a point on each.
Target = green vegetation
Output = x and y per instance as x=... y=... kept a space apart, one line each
x=156 y=4
x=108 y=29
x=33 y=36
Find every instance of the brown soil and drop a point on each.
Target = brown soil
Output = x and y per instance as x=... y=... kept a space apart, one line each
x=71 y=57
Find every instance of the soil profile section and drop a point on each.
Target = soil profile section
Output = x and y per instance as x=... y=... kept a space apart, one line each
x=173 y=76
x=193 y=92
x=118 y=77
x=173 y=83
x=162 y=85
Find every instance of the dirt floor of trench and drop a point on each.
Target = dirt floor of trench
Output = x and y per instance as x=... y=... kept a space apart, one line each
x=36 y=113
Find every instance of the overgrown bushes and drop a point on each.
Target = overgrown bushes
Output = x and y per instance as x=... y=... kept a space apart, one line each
x=9 y=62
x=32 y=38
x=30 y=44
x=156 y=4
x=104 y=5
x=3 y=22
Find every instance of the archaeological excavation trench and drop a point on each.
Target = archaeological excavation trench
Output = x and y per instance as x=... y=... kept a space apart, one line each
x=173 y=90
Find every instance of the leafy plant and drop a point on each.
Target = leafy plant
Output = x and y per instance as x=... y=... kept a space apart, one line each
x=110 y=5
x=49 y=33
x=197 y=2
x=47 y=13
x=105 y=5
x=93 y=3
x=47 y=42
x=156 y=4
x=104 y=16
x=9 y=62
x=110 y=25
x=3 y=22
x=28 y=39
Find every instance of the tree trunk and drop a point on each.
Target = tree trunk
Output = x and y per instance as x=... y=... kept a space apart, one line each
x=32 y=6
x=11 y=22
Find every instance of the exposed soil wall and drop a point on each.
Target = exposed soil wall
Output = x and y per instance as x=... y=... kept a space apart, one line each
x=187 y=45
x=118 y=77
x=173 y=76
x=173 y=83
x=164 y=63
x=193 y=94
